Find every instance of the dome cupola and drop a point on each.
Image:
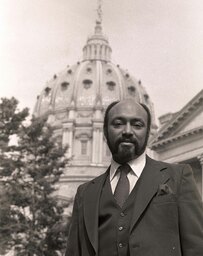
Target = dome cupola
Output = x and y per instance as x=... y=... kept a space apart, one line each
x=97 y=47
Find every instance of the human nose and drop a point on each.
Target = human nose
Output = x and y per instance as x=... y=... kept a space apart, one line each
x=127 y=130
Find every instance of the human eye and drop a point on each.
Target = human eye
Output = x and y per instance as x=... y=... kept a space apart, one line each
x=138 y=124
x=117 y=123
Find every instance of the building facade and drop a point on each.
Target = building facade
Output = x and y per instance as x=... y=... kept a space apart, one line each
x=180 y=138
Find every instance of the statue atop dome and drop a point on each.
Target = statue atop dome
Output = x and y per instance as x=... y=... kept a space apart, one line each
x=99 y=11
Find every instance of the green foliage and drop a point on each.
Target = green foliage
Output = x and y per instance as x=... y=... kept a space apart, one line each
x=31 y=216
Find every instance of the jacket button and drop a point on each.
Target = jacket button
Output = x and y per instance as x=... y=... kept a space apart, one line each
x=122 y=214
x=120 y=228
x=120 y=245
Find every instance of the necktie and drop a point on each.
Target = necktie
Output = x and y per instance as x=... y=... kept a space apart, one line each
x=123 y=186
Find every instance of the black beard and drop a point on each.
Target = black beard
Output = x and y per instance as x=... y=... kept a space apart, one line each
x=119 y=141
x=123 y=153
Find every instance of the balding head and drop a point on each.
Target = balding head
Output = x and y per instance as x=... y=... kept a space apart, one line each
x=126 y=128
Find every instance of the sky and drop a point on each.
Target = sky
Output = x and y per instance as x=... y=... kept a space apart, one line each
x=159 y=42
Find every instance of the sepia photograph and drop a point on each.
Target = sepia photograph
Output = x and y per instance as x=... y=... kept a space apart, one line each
x=101 y=128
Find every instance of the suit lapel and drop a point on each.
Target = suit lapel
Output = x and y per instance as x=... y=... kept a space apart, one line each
x=153 y=174
x=91 y=208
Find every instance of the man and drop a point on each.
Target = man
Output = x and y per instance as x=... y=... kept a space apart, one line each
x=139 y=206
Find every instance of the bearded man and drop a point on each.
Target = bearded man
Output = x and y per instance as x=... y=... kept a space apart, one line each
x=139 y=206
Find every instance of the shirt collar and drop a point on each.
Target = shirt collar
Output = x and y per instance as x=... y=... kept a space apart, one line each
x=137 y=165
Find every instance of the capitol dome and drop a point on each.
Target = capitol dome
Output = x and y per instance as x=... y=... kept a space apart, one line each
x=90 y=84
x=75 y=101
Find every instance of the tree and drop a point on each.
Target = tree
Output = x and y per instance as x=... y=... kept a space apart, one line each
x=11 y=120
x=32 y=216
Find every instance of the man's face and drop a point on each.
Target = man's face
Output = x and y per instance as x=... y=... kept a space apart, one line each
x=126 y=131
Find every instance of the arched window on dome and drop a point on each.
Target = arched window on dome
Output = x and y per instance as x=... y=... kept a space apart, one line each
x=47 y=91
x=131 y=90
x=111 y=85
x=87 y=83
x=89 y=70
x=146 y=97
x=64 y=86
x=109 y=71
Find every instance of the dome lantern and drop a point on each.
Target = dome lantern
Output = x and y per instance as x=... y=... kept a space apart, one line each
x=97 y=46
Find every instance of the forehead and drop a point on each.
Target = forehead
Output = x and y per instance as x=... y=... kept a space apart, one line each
x=128 y=109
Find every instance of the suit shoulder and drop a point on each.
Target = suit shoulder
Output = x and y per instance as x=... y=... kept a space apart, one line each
x=85 y=185
x=176 y=166
x=173 y=168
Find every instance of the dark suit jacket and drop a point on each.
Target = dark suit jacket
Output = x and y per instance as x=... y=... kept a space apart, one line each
x=167 y=217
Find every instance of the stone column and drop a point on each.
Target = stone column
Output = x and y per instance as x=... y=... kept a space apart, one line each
x=92 y=51
x=98 y=56
x=95 y=148
x=88 y=52
x=103 y=52
x=200 y=158
x=94 y=145
x=68 y=137
x=97 y=143
x=100 y=145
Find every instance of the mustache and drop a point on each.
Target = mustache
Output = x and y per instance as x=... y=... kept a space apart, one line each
x=129 y=140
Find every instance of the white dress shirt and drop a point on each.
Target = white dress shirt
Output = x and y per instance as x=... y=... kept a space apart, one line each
x=137 y=165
